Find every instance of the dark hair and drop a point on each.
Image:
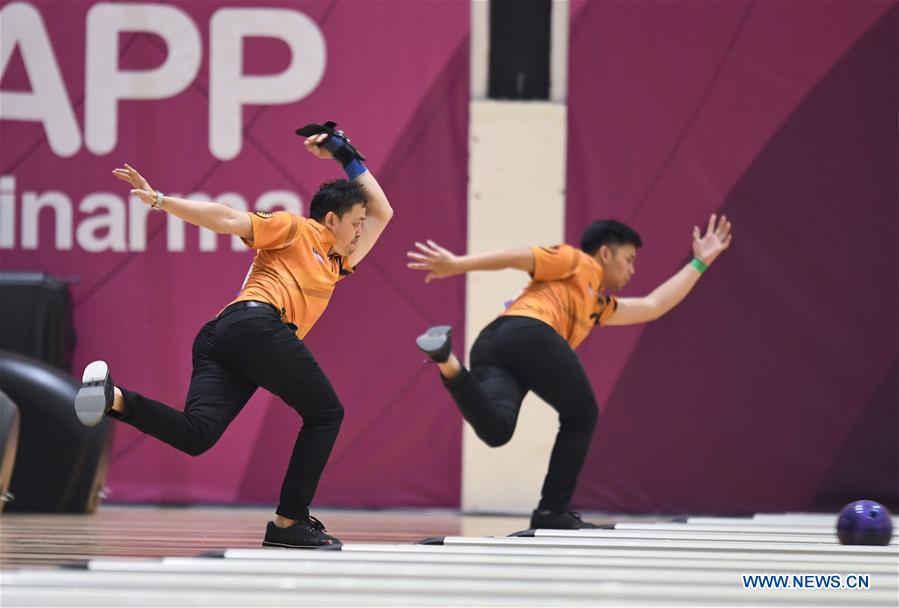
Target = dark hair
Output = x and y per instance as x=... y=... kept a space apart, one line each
x=338 y=196
x=608 y=232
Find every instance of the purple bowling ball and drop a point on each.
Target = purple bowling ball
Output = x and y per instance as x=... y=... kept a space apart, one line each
x=864 y=522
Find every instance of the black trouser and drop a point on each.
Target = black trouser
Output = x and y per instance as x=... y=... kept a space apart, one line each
x=514 y=355
x=233 y=355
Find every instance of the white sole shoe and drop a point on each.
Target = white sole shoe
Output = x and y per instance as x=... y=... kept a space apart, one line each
x=94 y=398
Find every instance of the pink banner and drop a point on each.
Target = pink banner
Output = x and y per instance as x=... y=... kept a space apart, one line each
x=203 y=97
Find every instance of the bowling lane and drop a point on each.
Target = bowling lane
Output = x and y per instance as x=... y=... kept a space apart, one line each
x=133 y=588
x=573 y=539
x=401 y=554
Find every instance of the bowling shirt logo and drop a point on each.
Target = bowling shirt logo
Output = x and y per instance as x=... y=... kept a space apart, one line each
x=602 y=301
x=264 y=214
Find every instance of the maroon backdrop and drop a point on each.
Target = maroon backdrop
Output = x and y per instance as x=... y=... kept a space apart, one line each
x=774 y=386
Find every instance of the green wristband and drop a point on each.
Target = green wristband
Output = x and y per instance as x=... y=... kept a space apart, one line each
x=699 y=265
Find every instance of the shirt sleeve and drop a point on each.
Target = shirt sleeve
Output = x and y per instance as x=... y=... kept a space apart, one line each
x=345 y=268
x=608 y=306
x=273 y=230
x=554 y=263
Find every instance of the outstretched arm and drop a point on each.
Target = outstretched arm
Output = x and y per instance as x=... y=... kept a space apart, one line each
x=214 y=216
x=669 y=294
x=441 y=263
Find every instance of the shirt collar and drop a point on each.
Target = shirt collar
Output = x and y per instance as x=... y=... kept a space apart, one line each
x=598 y=269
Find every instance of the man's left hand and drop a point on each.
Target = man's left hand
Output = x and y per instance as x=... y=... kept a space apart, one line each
x=717 y=239
x=314 y=145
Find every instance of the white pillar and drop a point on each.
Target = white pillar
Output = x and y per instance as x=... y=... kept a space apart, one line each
x=516 y=198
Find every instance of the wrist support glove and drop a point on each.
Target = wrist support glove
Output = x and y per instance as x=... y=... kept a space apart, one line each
x=337 y=143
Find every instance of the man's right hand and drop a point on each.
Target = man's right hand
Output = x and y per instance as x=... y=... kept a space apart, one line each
x=440 y=262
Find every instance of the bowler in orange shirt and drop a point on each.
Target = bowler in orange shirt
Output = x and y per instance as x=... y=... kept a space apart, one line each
x=530 y=347
x=257 y=340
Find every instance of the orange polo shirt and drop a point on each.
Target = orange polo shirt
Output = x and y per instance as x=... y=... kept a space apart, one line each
x=292 y=269
x=565 y=293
